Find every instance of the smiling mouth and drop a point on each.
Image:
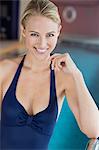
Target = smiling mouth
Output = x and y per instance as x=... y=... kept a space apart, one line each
x=41 y=51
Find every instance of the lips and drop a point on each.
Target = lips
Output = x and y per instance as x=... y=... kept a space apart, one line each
x=41 y=51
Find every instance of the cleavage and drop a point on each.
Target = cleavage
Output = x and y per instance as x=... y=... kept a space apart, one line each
x=32 y=95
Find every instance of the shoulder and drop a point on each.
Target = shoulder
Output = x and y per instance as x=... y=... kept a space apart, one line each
x=7 y=66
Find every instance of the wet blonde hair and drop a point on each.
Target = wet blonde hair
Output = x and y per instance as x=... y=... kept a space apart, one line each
x=40 y=7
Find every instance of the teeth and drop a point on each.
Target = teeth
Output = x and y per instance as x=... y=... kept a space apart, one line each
x=41 y=50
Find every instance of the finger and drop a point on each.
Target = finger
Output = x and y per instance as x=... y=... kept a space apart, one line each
x=54 y=56
x=54 y=64
x=58 y=61
x=62 y=61
x=57 y=64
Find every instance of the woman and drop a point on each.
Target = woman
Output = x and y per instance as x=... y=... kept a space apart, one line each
x=33 y=86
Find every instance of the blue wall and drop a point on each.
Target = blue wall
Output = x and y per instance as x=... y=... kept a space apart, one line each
x=67 y=134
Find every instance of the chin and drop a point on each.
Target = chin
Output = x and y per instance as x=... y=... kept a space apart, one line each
x=42 y=56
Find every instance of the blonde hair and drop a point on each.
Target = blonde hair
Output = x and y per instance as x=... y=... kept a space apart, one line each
x=40 y=7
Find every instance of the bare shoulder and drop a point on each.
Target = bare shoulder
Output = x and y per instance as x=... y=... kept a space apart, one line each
x=7 y=66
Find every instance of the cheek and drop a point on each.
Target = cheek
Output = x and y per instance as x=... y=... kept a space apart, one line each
x=29 y=41
x=54 y=42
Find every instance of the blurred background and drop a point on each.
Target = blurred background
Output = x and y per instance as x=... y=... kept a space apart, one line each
x=79 y=37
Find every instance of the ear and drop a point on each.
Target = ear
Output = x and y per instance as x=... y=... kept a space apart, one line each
x=22 y=30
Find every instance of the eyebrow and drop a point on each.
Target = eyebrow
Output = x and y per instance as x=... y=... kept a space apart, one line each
x=47 y=33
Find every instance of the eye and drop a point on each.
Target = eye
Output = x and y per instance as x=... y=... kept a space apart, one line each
x=50 y=35
x=34 y=34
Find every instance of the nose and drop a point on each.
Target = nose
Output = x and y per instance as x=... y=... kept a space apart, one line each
x=42 y=42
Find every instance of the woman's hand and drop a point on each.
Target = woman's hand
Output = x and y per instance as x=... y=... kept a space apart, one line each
x=64 y=62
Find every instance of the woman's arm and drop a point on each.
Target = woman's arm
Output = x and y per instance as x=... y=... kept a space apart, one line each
x=79 y=99
x=85 y=109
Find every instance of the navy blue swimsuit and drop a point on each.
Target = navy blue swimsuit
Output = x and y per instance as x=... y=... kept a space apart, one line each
x=19 y=130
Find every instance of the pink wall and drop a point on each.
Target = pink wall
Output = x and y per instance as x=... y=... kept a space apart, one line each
x=87 y=20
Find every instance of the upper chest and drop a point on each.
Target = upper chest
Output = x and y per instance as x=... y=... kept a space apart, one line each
x=33 y=90
x=31 y=84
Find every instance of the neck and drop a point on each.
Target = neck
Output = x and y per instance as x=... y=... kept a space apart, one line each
x=36 y=65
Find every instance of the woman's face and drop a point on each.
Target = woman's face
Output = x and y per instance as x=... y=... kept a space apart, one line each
x=40 y=34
